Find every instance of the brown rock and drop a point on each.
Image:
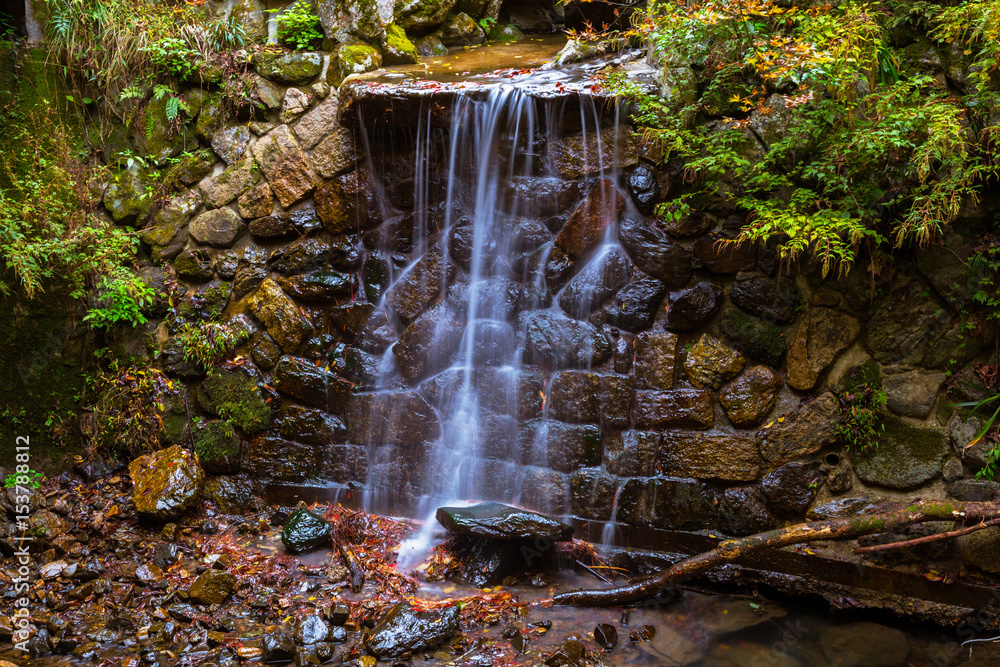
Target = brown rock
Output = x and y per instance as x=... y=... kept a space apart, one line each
x=601 y=208
x=581 y=154
x=165 y=483
x=710 y=362
x=284 y=164
x=678 y=408
x=279 y=314
x=256 y=202
x=334 y=154
x=725 y=257
x=655 y=356
x=395 y=418
x=414 y=291
x=822 y=335
x=814 y=425
x=573 y=397
x=732 y=458
x=751 y=397
x=220 y=190
x=348 y=203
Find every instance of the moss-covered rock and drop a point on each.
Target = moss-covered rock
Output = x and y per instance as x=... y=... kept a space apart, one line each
x=155 y=139
x=504 y=34
x=250 y=14
x=165 y=483
x=129 y=196
x=431 y=45
x=217 y=446
x=751 y=397
x=906 y=456
x=397 y=49
x=710 y=362
x=235 y=395
x=422 y=15
x=755 y=338
x=279 y=314
x=345 y=20
x=292 y=69
x=225 y=187
x=212 y=587
x=461 y=30
x=351 y=59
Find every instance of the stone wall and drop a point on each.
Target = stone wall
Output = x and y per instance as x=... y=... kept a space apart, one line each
x=697 y=387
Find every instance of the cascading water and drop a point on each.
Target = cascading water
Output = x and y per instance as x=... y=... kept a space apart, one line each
x=492 y=277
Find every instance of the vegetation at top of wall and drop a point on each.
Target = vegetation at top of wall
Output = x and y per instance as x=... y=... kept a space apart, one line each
x=298 y=26
x=829 y=138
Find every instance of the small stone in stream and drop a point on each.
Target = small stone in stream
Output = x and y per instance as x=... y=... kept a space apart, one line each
x=338 y=613
x=169 y=532
x=643 y=634
x=148 y=574
x=502 y=522
x=311 y=630
x=402 y=630
x=511 y=631
x=166 y=555
x=212 y=587
x=625 y=618
x=305 y=656
x=569 y=654
x=337 y=634
x=606 y=636
x=519 y=642
x=278 y=647
x=324 y=651
x=304 y=531
x=544 y=625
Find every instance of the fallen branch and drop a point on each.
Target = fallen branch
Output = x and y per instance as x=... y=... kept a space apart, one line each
x=731 y=550
x=353 y=566
x=926 y=538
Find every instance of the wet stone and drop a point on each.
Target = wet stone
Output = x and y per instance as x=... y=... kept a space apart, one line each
x=906 y=457
x=594 y=284
x=615 y=396
x=165 y=483
x=694 y=307
x=264 y=351
x=277 y=646
x=751 y=397
x=289 y=173
x=759 y=340
x=725 y=258
x=818 y=341
x=428 y=343
x=587 y=224
x=912 y=393
x=635 y=306
x=317 y=286
x=236 y=393
x=591 y=494
x=695 y=223
x=400 y=418
x=402 y=631
x=212 y=587
x=606 y=636
x=415 y=290
x=731 y=458
x=868 y=644
x=502 y=522
x=678 y=408
x=310 y=426
x=284 y=322
x=301 y=379
x=654 y=253
x=299 y=256
x=767 y=298
x=349 y=203
x=573 y=397
x=743 y=511
x=710 y=363
x=581 y=154
x=563 y=342
x=559 y=446
x=813 y=425
x=655 y=357
x=644 y=187
x=311 y=630
x=305 y=531
x=632 y=453
x=293 y=69
x=791 y=488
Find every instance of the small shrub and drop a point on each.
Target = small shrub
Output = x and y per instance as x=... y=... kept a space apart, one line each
x=863 y=400
x=31 y=478
x=299 y=26
x=129 y=409
x=207 y=343
x=174 y=56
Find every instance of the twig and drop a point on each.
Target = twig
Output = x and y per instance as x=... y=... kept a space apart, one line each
x=596 y=574
x=926 y=538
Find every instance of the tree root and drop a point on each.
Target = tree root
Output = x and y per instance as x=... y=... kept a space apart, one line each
x=731 y=550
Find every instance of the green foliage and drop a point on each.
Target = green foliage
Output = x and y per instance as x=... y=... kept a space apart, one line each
x=862 y=158
x=299 y=26
x=128 y=414
x=208 y=342
x=862 y=403
x=31 y=478
x=52 y=235
x=174 y=56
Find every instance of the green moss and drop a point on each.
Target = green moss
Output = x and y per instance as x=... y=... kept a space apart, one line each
x=753 y=337
x=217 y=445
x=867 y=375
x=397 y=47
x=353 y=59
x=235 y=396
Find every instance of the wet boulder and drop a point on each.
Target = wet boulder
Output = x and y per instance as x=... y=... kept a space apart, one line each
x=165 y=483
x=301 y=379
x=461 y=30
x=586 y=226
x=309 y=426
x=731 y=458
x=317 y=286
x=743 y=511
x=676 y=408
x=791 y=488
x=655 y=358
x=906 y=456
x=709 y=363
x=502 y=522
x=293 y=69
x=279 y=314
x=563 y=342
x=767 y=298
x=349 y=203
x=720 y=255
x=217 y=446
x=305 y=531
x=493 y=342
x=311 y=630
x=581 y=154
x=427 y=344
x=559 y=446
x=218 y=228
x=654 y=253
x=757 y=339
x=573 y=396
x=289 y=173
x=811 y=426
x=402 y=631
x=594 y=284
x=275 y=458
x=751 y=397
x=495 y=541
x=819 y=339
x=212 y=587
x=694 y=307
x=397 y=418
x=235 y=392
x=423 y=283
x=644 y=187
x=277 y=646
